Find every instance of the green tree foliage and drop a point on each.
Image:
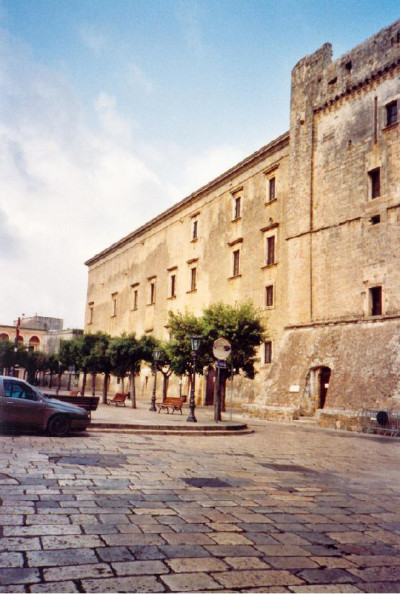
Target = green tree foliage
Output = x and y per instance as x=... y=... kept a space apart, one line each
x=126 y=353
x=178 y=350
x=241 y=324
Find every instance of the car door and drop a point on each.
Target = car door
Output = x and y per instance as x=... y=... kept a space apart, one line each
x=20 y=405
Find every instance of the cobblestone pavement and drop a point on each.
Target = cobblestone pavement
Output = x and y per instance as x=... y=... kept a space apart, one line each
x=285 y=509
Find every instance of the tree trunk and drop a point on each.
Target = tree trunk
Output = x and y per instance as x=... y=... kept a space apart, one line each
x=83 y=383
x=59 y=383
x=93 y=384
x=165 y=386
x=132 y=389
x=105 y=388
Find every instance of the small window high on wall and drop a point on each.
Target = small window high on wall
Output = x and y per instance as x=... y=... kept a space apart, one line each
x=375 y=182
x=375 y=294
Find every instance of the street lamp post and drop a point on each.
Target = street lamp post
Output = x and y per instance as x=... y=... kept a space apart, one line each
x=195 y=340
x=156 y=358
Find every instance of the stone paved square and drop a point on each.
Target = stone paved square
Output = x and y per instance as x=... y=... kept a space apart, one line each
x=140 y=526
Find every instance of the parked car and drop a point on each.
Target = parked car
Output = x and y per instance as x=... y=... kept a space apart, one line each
x=23 y=406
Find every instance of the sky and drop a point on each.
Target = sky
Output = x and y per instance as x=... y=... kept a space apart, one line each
x=113 y=110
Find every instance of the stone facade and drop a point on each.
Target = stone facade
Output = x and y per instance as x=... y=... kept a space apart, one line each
x=307 y=228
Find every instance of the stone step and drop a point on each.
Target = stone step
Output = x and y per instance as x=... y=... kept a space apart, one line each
x=170 y=431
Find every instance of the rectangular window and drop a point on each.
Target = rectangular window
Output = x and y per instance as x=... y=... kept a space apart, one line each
x=270 y=250
x=114 y=304
x=269 y=296
x=267 y=351
x=236 y=263
x=152 y=293
x=135 y=298
x=91 y=307
x=375 y=182
x=271 y=189
x=391 y=113
x=172 y=285
x=194 y=229
x=193 y=279
x=376 y=301
x=237 y=207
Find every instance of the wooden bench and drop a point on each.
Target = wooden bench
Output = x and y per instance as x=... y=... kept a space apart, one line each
x=173 y=403
x=118 y=400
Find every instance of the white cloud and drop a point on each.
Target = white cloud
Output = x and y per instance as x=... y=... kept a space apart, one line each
x=67 y=191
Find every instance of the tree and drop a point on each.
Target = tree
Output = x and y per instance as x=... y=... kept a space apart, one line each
x=84 y=360
x=242 y=326
x=178 y=350
x=126 y=353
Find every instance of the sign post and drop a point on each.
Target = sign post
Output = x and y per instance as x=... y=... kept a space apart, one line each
x=221 y=350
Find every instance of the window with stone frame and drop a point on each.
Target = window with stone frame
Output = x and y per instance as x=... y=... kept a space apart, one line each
x=271 y=189
x=193 y=279
x=270 y=250
x=236 y=263
x=391 y=113
x=375 y=294
x=269 y=295
x=267 y=352
x=375 y=182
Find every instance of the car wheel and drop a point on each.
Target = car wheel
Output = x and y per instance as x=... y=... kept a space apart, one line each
x=58 y=426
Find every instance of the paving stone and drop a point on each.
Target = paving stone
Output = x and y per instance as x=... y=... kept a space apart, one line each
x=332 y=562
x=61 y=557
x=183 y=551
x=21 y=544
x=111 y=554
x=153 y=567
x=246 y=563
x=280 y=550
x=256 y=578
x=190 y=582
x=19 y=575
x=41 y=530
x=52 y=587
x=147 y=552
x=133 y=539
x=333 y=588
x=76 y=572
x=195 y=538
x=326 y=576
x=128 y=584
x=79 y=541
x=375 y=587
x=232 y=551
x=291 y=562
x=11 y=559
x=206 y=564
x=377 y=574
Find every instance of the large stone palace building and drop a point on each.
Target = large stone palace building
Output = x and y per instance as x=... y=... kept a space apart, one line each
x=307 y=228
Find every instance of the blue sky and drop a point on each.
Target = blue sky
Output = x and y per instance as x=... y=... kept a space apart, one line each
x=112 y=110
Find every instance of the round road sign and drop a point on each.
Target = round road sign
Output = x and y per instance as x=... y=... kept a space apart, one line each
x=222 y=348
